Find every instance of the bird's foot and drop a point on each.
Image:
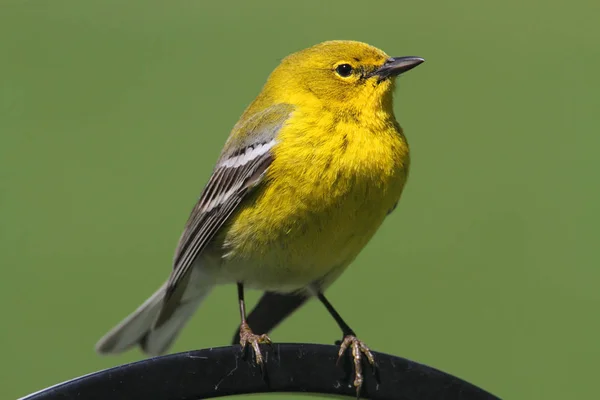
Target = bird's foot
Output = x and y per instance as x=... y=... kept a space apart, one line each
x=358 y=349
x=248 y=337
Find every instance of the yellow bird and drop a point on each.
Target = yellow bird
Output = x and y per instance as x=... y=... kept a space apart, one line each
x=305 y=179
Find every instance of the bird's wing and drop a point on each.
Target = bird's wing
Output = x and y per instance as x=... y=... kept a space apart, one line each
x=244 y=160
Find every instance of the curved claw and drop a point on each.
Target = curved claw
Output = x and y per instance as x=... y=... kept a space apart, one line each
x=248 y=337
x=358 y=350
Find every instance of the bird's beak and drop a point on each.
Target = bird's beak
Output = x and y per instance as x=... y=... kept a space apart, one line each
x=397 y=65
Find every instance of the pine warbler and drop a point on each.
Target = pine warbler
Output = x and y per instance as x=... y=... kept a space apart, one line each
x=306 y=178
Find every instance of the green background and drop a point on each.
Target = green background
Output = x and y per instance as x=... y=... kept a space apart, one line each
x=112 y=114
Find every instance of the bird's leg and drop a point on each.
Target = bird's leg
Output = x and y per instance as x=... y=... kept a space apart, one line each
x=350 y=340
x=246 y=334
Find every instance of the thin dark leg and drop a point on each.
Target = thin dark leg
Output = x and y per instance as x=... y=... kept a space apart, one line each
x=240 y=287
x=346 y=330
x=246 y=334
x=271 y=310
x=357 y=347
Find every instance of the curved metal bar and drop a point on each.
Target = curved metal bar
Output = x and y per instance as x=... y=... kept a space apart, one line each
x=300 y=368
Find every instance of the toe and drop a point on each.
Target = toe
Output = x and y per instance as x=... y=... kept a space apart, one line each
x=358 y=350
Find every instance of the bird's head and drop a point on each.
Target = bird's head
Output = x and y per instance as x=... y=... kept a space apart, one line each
x=347 y=74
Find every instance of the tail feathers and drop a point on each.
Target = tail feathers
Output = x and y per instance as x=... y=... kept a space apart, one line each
x=158 y=339
x=133 y=328
x=138 y=327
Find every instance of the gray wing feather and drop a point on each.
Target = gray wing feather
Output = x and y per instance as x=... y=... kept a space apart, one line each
x=240 y=167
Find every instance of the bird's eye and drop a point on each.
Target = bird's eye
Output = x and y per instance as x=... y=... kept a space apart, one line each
x=344 y=70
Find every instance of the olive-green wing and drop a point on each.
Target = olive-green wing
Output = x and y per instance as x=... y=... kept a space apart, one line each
x=241 y=166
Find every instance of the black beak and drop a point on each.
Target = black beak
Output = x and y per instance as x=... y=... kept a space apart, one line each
x=397 y=65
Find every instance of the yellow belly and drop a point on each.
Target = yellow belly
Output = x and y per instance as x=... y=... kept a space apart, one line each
x=318 y=206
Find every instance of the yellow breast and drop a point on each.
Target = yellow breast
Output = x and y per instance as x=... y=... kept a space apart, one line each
x=331 y=184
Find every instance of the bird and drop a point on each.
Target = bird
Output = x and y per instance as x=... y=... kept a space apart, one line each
x=306 y=177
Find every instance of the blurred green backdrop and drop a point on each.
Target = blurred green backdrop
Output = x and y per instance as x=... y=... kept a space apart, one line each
x=112 y=114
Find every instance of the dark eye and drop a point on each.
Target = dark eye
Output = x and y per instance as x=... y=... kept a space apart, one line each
x=344 y=70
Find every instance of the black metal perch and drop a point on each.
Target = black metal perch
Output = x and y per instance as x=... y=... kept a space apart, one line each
x=300 y=368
